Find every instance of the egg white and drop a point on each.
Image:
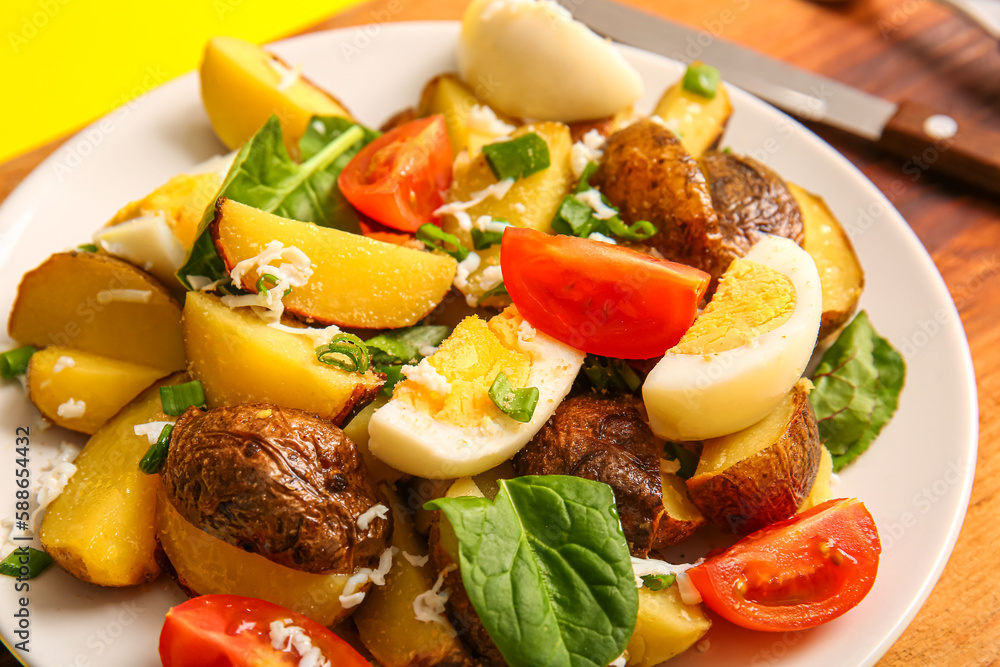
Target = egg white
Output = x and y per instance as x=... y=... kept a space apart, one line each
x=531 y=59
x=416 y=443
x=694 y=396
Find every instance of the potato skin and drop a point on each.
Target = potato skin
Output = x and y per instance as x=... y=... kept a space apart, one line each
x=750 y=201
x=768 y=486
x=278 y=482
x=648 y=175
x=606 y=440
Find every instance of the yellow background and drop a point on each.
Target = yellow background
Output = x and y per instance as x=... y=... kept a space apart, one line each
x=64 y=63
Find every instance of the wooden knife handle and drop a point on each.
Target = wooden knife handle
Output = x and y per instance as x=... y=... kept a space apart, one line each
x=935 y=141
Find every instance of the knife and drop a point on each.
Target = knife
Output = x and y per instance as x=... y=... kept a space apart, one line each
x=929 y=139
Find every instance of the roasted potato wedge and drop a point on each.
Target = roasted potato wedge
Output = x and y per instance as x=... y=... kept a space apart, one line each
x=665 y=627
x=278 y=482
x=820 y=492
x=840 y=272
x=531 y=202
x=356 y=282
x=357 y=431
x=762 y=474
x=448 y=95
x=205 y=565
x=604 y=126
x=606 y=440
x=648 y=175
x=696 y=120
x=181 y=201
x=98 y=304
x=242 y=85
x=58 y=375
x=101 y=527
x=680 y=517
x=239 y=359
x=385 y=620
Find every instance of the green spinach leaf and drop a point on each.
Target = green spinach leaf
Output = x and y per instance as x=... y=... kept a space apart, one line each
x=547 y=569
x=392 y=349
x=265 y=177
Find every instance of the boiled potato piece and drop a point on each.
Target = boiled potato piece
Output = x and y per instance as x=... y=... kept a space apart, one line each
x=448 y=95
x=206 y=565
x=101 y=527
x=665 y=627
x=604 y=126
x=98 y=304
x=531 y=202
x=820 y=492
x=357 y=431
x=239 y=359
x=754 y=477
x=181 y=201
x=242 y=85
x=386 y=621
x=696 y=120
x=840 y=272
x=680 y=517
x=357 y=282
x=58 y=374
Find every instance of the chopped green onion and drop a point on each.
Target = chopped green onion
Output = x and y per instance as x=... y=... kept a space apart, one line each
x=177 y=398
x=639 y=231
x=346 y=352
x=517 y=158
x=657 y=582
x=15 y=362
x=156 y=455
x=610 y=374
x=702 y=79
x=500 y=291
x=484 y=238
x=727 y=150
x=588 y=172
x=25 y=563
x=432 y=235
x=262 y=287
x=518 y=404
x=575 y=218
x=689 y=460
x=402 y=346
x=393 y=375
x=87 y=247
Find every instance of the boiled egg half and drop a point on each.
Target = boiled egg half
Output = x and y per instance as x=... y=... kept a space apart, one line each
x=744 y=352
x=441 y=422
x=531 y=59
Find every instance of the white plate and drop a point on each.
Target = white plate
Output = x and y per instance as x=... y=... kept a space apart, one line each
x=916 y=478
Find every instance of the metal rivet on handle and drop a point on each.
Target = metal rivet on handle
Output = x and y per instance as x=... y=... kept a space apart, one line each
x=940 y=126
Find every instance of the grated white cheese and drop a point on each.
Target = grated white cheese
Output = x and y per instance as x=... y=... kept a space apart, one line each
x=428 y=376
x=50 y=483
x=597 y=236
x=592 y=198
x=646 y=566
x=379 y=511
x=620 y=661
x=466 y=267
x=482 y=119
x=203 y=284
x=428 y=607
x=286 y=77
x=244 y=626
x=427 y=350
x=519 y=207
x=492 y=276
x=458 y=209
x=526 y=332
x=106 y=296
x=316 y=336
x=588 y=149
x=294 y=270
x=416 y=561
x=286 y=637
x=151 y=430
x=72 y=409
x=671 y=466
x=62 y=363
x=689 y=594
x=351 y=596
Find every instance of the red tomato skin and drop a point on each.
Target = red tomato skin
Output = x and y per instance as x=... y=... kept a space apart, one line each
x=202 y=632
x=844 y=523
x=598 y=297
x=400 y=178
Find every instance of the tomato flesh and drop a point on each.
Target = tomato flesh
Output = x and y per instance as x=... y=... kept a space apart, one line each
x=795 y=574
x=598 y=297
x=234 y=631
x=400 y=178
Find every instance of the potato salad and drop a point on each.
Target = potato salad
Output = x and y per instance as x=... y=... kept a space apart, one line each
x=443 y=392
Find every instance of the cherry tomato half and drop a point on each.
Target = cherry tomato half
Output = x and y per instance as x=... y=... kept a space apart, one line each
x=797 y=573
x=234 y=631
x=598 y=297
x=400 y=178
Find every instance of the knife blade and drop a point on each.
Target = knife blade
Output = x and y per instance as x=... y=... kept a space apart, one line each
x=930 y=139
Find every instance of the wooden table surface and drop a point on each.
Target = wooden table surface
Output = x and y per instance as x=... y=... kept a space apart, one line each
x=912 y=49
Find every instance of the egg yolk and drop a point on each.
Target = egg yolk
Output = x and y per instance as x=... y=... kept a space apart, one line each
x=470 y=359
x=751 y=300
